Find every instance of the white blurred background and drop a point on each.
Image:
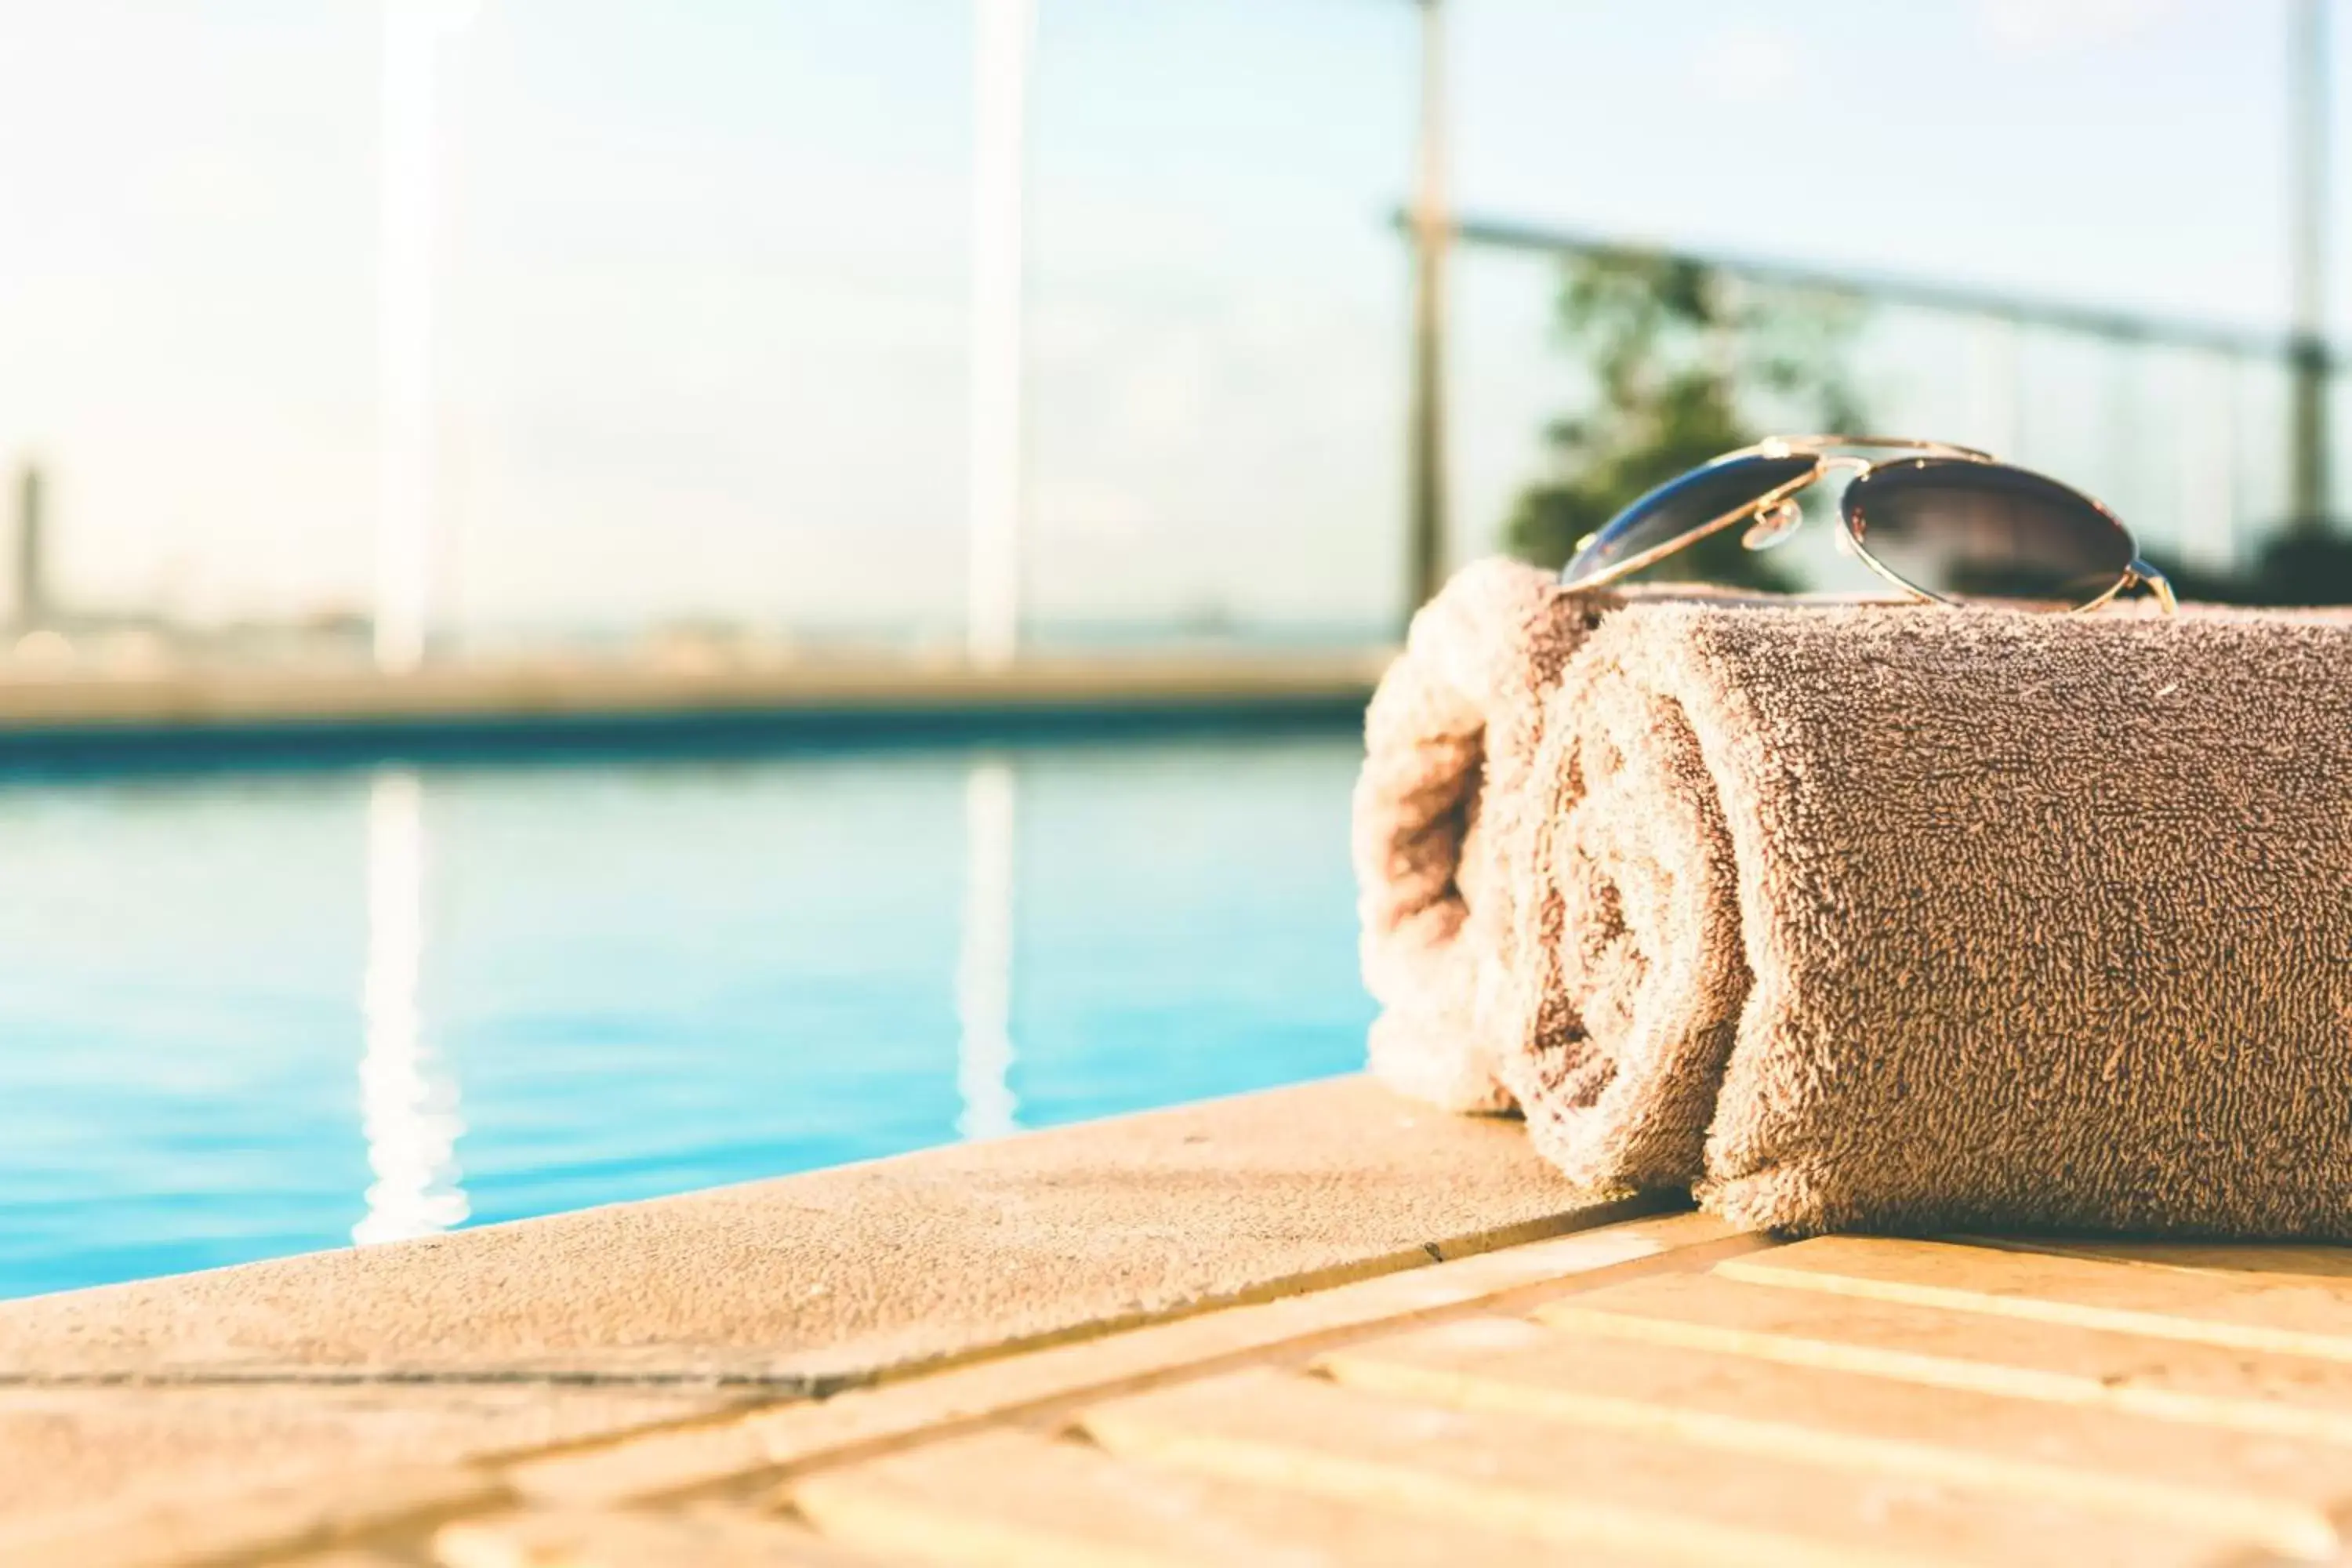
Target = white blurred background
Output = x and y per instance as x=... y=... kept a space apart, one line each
x=688 y=316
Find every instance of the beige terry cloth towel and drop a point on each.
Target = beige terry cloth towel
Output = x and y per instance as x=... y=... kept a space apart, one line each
x=1919 y=919
x=1449 y=738
x=1450 y=743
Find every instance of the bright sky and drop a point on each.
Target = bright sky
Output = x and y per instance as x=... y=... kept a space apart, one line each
x=702 y=275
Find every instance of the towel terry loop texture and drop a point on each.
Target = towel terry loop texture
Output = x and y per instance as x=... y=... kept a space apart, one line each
x=1877 y=917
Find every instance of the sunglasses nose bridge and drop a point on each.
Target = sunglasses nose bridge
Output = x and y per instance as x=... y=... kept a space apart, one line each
x=1776 y=519
x=1775 y=525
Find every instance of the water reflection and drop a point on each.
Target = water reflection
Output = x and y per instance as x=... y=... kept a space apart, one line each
x=650 y=976
x=408 y=1098
x=984 y=962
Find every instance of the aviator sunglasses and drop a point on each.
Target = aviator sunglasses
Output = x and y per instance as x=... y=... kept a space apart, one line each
x=1942 y=522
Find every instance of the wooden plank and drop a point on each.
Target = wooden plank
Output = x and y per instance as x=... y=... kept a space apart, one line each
x=2295 y=1314
x=2280 y=1494
x=799 y=1433
x=275 y=1516
x=704 y=1536
x=2280 y=1257
x=667 y=1463
x=1018 y=1500
x=2171 y=1378
x=634 y=1470
x=1627 y=1492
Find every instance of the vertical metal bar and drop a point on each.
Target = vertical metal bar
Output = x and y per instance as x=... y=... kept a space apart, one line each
x=1993 y=375
x=32 y=585
x=2208 y=461
x=406 y=262
x=2308 y=498
x=2119 y=480
x=1003 y=34
x=1433 y=234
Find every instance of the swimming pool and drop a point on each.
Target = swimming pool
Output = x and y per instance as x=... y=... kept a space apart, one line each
x=246 y=1013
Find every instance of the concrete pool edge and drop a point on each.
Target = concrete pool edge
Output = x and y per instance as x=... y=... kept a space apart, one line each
x=347 y=1381
x=570 y=705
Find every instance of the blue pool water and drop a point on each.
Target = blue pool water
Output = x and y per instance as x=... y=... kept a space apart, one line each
x=250 y=1013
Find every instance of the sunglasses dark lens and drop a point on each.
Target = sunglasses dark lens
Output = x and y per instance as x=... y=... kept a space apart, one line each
x=1967 y=530
x=1675 y=507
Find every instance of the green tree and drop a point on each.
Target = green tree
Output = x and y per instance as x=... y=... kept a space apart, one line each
x=1681 y=356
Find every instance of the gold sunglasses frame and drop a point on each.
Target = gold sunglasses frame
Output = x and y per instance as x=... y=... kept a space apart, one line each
x=1828 y=457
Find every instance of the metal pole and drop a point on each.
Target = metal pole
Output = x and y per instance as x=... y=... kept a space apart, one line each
x=1002 y=31
x=1946 y=299
x=2308 y=436
x=2208 y=463
x=1433 y=234
x=406 y=261
x=32 y=586
x=1993 y=359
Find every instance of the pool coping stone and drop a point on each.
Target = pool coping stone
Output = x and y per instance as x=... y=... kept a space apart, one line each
x=674 y=1309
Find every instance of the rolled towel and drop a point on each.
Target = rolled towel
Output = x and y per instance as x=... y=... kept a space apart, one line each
x=1449 y=738
x=1912 y=919
x=1450 y=743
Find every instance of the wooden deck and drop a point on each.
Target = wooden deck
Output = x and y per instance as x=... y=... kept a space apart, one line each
x=1654 y=1391
x=1312 y=1325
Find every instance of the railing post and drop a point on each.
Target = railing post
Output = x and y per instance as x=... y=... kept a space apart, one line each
x=2307 y=432
x=1002 y=31
x=406 y=262
x=1993 y=377
x=1433 y=234
x=32 y=555
x=2209 y=462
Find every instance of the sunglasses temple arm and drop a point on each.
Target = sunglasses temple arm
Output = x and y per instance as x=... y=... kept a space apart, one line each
x=2154 y=581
